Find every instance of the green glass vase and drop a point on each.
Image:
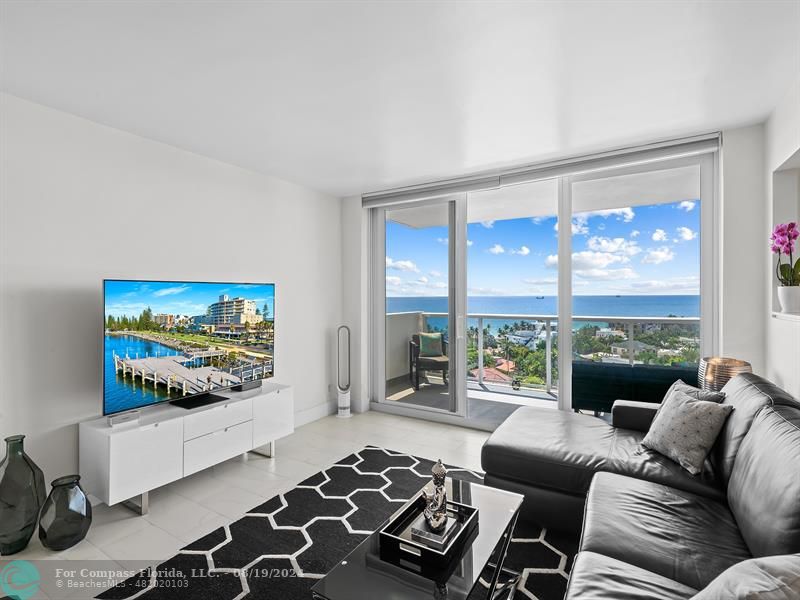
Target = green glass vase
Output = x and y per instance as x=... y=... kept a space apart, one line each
x=66 y=514
x=22 y=493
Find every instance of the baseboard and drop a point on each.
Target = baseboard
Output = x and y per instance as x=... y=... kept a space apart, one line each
x=314 y=413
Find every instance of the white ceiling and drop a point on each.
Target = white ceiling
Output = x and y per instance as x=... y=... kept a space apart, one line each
x=351 y=97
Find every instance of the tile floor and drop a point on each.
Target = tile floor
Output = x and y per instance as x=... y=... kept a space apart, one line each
x=186 y=510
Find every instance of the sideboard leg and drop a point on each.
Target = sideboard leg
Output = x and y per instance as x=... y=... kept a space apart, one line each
x=267 y=450
x=142 y=507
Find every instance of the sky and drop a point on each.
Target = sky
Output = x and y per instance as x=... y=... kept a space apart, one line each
x=641 y=250
x=179 y=298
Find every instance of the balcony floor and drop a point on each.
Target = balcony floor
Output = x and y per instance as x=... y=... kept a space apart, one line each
x=489 y=404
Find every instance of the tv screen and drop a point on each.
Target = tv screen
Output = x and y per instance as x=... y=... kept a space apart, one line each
x=169 y=340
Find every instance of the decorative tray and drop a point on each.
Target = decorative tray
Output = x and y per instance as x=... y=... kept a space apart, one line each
x=406 y=542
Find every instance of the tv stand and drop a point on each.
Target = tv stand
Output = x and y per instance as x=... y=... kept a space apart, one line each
x=198 y=400
x=167 y=443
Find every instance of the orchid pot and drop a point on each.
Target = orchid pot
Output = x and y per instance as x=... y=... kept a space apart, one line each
x=787 y=270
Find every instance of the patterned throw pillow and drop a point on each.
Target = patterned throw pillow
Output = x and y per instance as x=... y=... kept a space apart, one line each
x=430 y=344
x=690 y=390
x=684 y=429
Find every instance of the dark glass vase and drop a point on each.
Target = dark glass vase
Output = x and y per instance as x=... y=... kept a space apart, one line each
x=66 y=514
x=22 y=494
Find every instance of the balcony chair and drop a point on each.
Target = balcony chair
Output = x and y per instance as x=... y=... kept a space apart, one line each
x=417 y=363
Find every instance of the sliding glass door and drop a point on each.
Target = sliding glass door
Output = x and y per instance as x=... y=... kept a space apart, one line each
x=512 y=299
x=420 y=307
x=636 y=260
x=482 y=302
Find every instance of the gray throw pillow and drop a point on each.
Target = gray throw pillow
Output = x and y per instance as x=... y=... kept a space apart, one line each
x=690 y=390
x=767 y=578
x=684 y=429
x=694 y=392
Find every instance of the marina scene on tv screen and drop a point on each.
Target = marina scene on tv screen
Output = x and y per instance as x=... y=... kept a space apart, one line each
x=168 y=340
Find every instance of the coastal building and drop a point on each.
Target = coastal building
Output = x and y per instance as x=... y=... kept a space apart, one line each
x=164 y=321
x=523 y=337
x=622 y=348
x=232 y=311
x=607 y=332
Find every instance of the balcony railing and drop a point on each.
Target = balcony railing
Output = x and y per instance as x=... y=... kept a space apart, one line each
x=546 y=330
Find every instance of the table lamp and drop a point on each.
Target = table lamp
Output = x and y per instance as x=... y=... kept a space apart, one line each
x=715 y=371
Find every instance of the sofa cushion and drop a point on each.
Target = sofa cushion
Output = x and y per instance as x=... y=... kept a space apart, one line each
x=561 y=451
x=764 y=488
x=598 y=577
x=769 y=578
x=685 y=429
x=748 y=393
x=677 y=534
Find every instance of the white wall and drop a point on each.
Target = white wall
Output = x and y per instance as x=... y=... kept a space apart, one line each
x=782 y=337
x=80 y=202
x=744 y=219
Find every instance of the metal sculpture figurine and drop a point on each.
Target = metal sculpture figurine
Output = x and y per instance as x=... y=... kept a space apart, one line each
x=436 y=503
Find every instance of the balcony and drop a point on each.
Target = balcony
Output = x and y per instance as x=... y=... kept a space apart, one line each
x=512 y=358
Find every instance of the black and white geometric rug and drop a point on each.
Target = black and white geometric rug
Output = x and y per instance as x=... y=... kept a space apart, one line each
x=279 y=549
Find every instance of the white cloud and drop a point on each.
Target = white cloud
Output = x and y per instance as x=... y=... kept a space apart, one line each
x=442 y=241
x=487 y=224
x=483 y=291
x=401 y=265
x=416 y=287
x=579 y=227
x=686 y=205
x=659 y=235
x=469 y=242
x=523 y=251
x=690 y=285
x=656 y=256
x=625 y=214
x=635 y=233
x=171 y=291
x=685 y=234
x=607 y=274
x=435 y=274
x=543 y=281
x=497 y=249
x=614 y=245
x=587 y=259
x=537 y=220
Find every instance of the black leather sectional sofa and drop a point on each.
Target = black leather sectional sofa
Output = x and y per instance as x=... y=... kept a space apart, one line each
x=650 y=530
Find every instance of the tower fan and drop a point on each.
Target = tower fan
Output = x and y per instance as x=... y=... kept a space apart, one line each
x=343 y=370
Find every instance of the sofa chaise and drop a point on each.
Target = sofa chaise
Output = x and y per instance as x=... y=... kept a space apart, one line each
x=649 y=528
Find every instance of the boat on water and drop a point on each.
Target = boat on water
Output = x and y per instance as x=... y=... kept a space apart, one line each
x=540 y=297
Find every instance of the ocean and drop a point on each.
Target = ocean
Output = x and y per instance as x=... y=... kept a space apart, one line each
x=124 y=394
x=582 y=306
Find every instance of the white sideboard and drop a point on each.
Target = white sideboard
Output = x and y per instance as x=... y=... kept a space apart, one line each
x=167 y=443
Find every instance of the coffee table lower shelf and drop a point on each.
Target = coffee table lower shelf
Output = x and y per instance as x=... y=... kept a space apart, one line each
x=362 y=575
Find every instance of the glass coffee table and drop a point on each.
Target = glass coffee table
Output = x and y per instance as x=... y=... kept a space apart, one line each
x=362 y=575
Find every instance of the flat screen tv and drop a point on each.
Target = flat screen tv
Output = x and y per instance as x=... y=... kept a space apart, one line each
x=181 y=341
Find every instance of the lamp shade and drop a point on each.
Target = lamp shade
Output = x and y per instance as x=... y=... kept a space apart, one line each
x=715 y=371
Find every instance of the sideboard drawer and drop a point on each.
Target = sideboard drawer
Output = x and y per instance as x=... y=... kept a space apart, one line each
x=213 y=448
x=225 y=414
